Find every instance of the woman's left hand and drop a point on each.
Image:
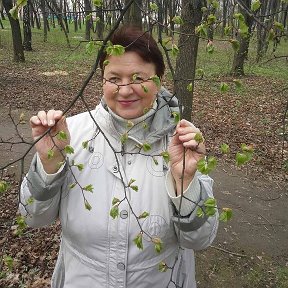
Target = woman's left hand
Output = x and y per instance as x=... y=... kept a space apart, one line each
x=185 y=137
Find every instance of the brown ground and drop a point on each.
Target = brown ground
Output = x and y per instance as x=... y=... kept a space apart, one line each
x=250 y=251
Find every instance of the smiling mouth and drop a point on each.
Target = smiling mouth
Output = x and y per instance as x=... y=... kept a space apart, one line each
x=127 y=102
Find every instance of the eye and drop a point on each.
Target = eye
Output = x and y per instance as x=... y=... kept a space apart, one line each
x=115 y=80
x=137 y=80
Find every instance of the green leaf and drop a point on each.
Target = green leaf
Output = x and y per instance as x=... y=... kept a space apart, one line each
x=21 y=2
x=155 y=161
x=14 y=12
x=134 y=187
x=97 y=3
x=62 y=135
x=279 y=26
x=145 y=89
x=205 y=166
x=138 y=241
x=174 y=50
x=239 y=16
x=4 y=185
x=131 y=182
x=225 y=149
x=235 y=44
x=30 y=200
x=20 y=221
x=9 y=262
x=89 y=188
x=90 y=46
x=199 y=138
x=210 y=47
x=227 y=30
x=143 y=215
x=165 y=156
x=176 y=116
x=115 y=50
x=200 y=212
x=80 y=167
x=87 y=205
x=190 y=87
x=85 y=144
x=226 y=214
x=200 y=72
x=162 y=267
x=201 y=30
x=156 y=80
x=129 y=124
x=50 y=154
x=69 y=149
x=158 y=244
x=247 y=148
x=115 y=201
x=177 y=20
x=210 y=202
x=153 y=7
x=146 y=147
x=124 y=138
x=71 y=186
x=242 y=158
x=114 y=212
x=215 y=4
x=255 y=5
x=224 y=87
x=237 y=83
x=211 y=19
x=106 y=62
x=88 y=17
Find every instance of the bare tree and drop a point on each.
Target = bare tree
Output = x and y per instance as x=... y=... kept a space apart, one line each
x=186 y=60
x=16 y=33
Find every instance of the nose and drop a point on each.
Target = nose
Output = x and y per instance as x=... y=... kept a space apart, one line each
x=125 y=89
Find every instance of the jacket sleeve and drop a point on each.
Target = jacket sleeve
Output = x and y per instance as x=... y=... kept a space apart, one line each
x=193 y=232
x=40 y=198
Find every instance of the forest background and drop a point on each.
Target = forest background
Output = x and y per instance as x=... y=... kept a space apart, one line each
x=227 y=62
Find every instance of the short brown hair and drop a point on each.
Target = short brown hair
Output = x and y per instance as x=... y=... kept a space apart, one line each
x=136 y=40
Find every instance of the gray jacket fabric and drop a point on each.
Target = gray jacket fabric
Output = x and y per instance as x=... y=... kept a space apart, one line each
x=98 y=251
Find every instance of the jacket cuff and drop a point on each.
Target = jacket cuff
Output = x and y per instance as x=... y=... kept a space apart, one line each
x=192 y=193
x=47 y=178
x=39 y=189
x=192 y=222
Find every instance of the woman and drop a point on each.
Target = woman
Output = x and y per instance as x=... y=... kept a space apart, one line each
x=134 y=217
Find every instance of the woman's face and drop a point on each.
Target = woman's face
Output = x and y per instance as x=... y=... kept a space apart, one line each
x=127 y=92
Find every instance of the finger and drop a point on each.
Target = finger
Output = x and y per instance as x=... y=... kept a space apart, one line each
x=42 y=117
x=185 y=129
x=50 y=118
x=35 y=121
x=184 y=123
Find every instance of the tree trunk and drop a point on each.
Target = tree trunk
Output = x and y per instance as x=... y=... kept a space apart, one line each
x=75 y=16
x=186 y=60
x=241 y=55
x=16 y=33
x=100 y=24
x=45 y=20
x=224 y=15
x=88 y=26
x=27 y=42
x=133 y=14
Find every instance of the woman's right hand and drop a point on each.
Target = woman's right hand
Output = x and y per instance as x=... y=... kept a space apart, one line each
x=40 y=123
